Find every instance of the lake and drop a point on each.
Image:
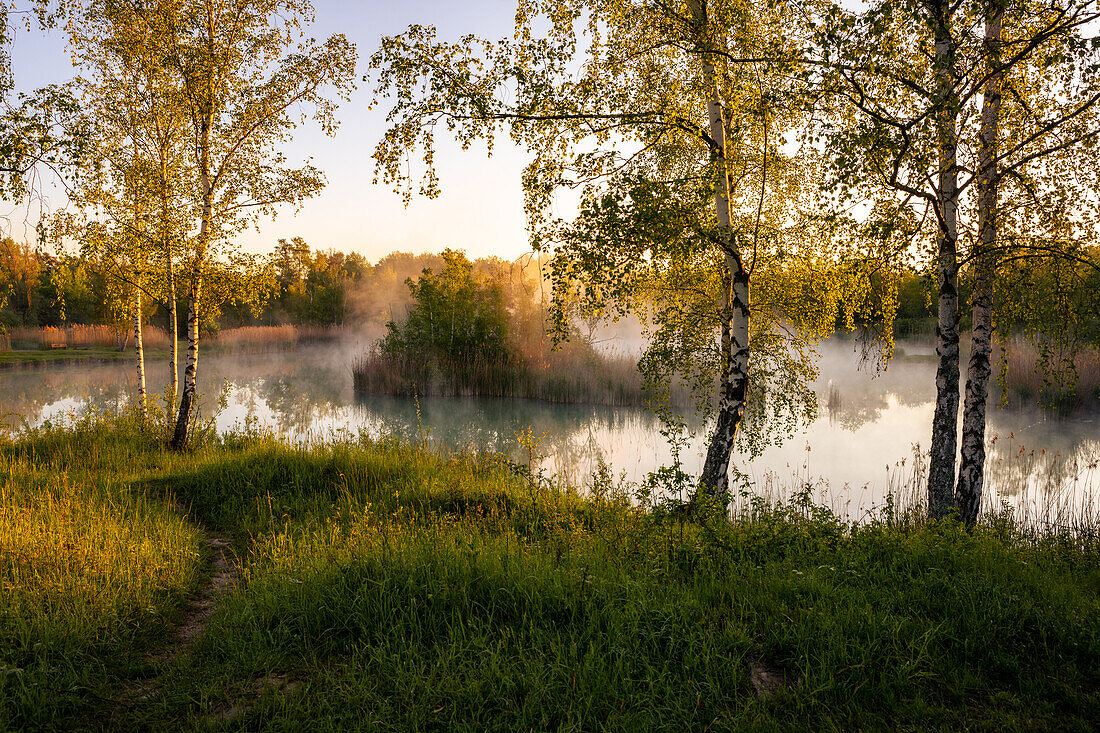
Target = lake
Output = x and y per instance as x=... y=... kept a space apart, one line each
x=867 y=441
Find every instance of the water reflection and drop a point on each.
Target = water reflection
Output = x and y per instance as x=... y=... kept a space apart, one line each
x=866 y=442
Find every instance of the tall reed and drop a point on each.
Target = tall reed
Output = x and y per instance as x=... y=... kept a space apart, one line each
x=85 y=336
x=561 y=377
x=1051 y=377
x=264 y=338
x=257 y=336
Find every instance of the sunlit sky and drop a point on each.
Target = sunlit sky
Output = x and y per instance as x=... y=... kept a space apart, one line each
x=480 y=210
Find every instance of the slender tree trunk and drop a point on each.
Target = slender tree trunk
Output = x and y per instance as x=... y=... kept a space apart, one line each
x=139 y=349
x=164 y=150
x=190 y=374
x=968 y=494
x=173 y=333
x=734 y=316
x=173 y=316
x=941 y=467
x=734 y=378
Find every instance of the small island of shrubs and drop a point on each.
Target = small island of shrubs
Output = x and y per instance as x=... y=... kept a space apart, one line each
x=472 y=331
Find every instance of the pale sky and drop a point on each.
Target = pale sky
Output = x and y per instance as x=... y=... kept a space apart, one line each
x=481 y=208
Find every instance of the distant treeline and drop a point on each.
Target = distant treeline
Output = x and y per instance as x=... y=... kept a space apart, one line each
x=301 y=286
x=1031 y=296
x=294 y=285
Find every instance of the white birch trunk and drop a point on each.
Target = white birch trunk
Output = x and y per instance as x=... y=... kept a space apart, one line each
x=173 y=315
x=139 y=349
x=941 y=470
x=173 y=335
x=190 y=374
x=968 y=493
x=734 y=315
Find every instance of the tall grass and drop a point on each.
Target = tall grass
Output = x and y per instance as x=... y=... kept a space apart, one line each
x=452 y=593
x=385 y=587
x=91 y=568
x=1059 y=379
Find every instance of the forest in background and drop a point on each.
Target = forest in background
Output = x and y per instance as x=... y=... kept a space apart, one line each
x=293 y=285
x=298 y=285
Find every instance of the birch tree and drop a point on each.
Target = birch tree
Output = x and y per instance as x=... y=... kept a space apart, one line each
x=912 y=73
x=245 y=73
x=971 y=470
x=131 y=102
x=669 y=118
x=42 y=130
x=1036 y=163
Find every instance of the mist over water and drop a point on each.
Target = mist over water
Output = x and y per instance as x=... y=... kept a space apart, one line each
x=867 y=440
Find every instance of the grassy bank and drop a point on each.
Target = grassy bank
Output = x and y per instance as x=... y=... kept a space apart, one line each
x=41 y=346
x=382 y=587
x=43 y=357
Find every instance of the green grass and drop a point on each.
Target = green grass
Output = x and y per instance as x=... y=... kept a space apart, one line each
x=385 y=588
x=91 y=353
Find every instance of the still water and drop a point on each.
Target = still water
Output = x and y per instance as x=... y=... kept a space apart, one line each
x=867 y=441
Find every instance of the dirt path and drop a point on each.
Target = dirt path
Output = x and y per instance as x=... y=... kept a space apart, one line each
x=197 y=613
x=195 y=617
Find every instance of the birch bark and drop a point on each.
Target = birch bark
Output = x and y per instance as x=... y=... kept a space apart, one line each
x=941 y=471
x=139 y=349
x=173 y=330
x=734 y=373
x=968 y=494
x=173 y=316
x=194 y=300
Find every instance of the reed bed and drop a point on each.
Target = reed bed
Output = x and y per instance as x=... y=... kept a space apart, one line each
x=85 y=336
x=273 y=338
x=560 y=377
x=321 y=334
x=252 y=337
x=1065 y=381
x=154 y=337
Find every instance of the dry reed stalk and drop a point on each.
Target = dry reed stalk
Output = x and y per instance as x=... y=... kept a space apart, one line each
x=1067 y=382
x=320 y=333
x=253 y=336
x=84 y=336
x=552 y=377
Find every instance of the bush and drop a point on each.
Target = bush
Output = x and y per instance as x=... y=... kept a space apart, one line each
x=458 y=318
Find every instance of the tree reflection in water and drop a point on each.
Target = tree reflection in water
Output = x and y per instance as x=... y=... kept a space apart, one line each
x=861 y=446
